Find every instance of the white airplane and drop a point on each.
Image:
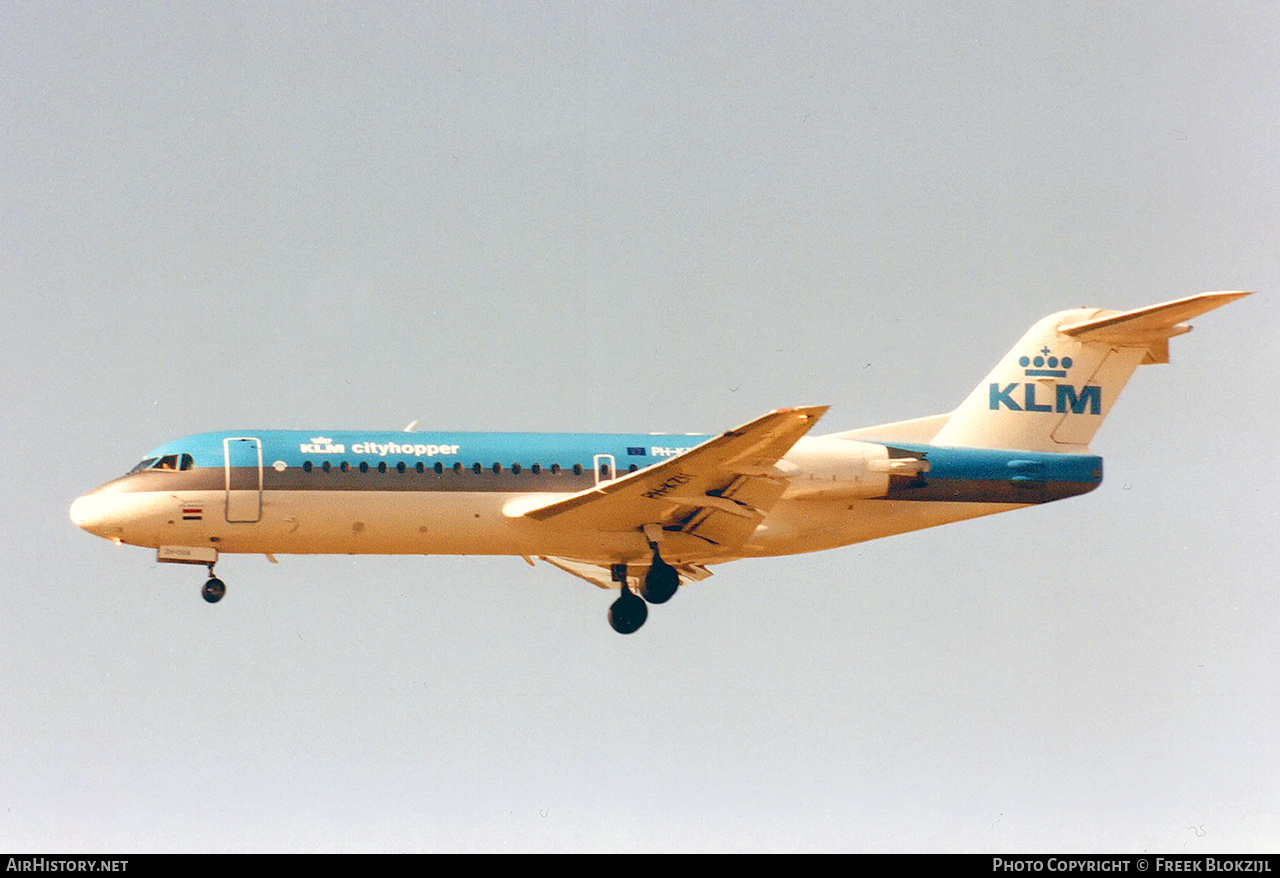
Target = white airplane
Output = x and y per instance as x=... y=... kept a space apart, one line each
x=645 y=513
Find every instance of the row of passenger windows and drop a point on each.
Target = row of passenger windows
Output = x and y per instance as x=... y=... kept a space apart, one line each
x=440 y=469
x=185 y=462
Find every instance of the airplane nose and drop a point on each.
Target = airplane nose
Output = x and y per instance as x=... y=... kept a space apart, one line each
x=91 y=513
x=80 y=512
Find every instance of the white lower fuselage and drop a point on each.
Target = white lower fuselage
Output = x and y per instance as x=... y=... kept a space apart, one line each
x=464 y=523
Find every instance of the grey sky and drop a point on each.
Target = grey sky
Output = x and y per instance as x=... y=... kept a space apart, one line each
x=638 y=217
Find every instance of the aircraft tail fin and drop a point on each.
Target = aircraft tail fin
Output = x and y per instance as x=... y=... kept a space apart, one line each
x=1054 y=388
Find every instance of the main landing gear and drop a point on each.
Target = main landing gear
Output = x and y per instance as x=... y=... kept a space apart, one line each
x=214 y=588
x=660 y=583
x=658 y=586
x=628 y=612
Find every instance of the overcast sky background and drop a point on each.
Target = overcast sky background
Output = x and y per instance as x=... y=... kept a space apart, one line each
x=639 y=217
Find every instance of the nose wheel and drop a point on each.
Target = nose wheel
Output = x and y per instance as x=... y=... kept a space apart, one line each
x=214 y=589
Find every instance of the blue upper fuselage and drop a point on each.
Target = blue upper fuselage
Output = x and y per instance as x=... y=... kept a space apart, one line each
x=488 y=461
x=296 y=448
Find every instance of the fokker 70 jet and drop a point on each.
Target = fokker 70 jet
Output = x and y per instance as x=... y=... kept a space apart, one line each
x=646 y=513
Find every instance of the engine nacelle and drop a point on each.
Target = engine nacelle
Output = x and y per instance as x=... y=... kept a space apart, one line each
x=822 y=466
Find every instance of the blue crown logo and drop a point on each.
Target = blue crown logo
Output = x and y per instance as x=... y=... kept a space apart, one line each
x=1045 y=365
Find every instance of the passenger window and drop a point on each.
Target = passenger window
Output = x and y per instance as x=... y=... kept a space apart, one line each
x=364 y=466
x=535 y=469
x=555 y=469
x=577 y=469
x=477 y=468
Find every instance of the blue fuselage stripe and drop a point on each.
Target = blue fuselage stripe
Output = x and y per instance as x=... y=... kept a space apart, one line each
x=294 y=448
x=993 y=464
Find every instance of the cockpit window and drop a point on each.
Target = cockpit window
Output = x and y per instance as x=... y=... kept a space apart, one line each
x=168 y=462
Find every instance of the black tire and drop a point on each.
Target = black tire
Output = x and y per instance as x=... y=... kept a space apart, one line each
x=627 y=614
x=660 y=583
x=213 y=590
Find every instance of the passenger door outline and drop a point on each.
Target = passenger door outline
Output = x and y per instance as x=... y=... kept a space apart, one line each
x=242 y=463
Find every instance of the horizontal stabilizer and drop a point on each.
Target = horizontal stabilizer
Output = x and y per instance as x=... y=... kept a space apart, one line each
x=1148 y=325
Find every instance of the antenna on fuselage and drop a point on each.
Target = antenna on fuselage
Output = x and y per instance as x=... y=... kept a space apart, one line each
x=412 y=424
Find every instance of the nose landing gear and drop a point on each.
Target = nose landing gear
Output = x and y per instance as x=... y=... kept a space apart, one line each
x=214 y=588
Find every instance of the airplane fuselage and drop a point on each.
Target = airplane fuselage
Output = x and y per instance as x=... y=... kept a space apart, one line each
x=346 y=492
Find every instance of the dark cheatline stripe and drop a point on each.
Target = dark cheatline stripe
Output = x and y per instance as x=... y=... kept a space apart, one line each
x=990 y=491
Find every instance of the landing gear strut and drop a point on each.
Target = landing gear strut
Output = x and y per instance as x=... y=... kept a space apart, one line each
x=628 y=612
x=214 y=588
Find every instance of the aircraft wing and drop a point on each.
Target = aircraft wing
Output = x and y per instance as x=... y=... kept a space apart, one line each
x=719 y=491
